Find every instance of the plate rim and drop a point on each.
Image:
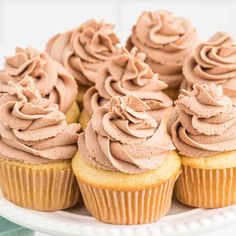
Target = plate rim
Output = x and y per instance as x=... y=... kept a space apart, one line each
x=215 y=218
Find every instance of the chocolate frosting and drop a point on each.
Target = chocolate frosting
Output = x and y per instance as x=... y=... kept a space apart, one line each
x=128 y=74
x=213 y=61
x=123 y=137
x=206 y=122
x=50 y=77
x=32 y=129
x=84 y=50
x=167 y=40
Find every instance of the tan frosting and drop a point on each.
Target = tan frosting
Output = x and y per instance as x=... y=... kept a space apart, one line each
x=213 y=61
x=128 y=74
x=32 y=129
x=123 y=137
x=84 y=50
x=50 y=77
x=206 y=122
x=167 y=40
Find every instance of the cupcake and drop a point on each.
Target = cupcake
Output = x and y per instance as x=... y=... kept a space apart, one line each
x=167 y=40
x=84 y=50
x=126 y=165
x=213 y=61
x=204 y=134
x=51 y=78
x=127 y=74
x=36 y=148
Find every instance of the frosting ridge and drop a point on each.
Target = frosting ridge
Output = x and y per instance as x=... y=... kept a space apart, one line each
x=50 y=77
x=128 y=74
x=213 y=61
x=84 y=50
x=167 y=40
x=206 y=122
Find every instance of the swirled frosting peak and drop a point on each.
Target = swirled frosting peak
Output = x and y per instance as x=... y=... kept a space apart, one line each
x=167 y=40
x=50 y=77
x=32 y=129
x=206 y=122
x=123 y=137
x=213 y=61
x=84 y=50
x=128 y=74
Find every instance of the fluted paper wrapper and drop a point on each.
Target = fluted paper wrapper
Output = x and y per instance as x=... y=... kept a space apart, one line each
x=206 y=188
x=128 y=207
x=38 y=189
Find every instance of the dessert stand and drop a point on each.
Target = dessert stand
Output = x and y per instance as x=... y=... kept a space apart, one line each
x=181 y=220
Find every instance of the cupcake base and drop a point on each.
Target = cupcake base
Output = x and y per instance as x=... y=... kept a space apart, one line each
x=84 y=119
x=45 y=187
x=80 y=97
x=173 y=93
x=72 y=115
x=207 y=182
x=119 y=198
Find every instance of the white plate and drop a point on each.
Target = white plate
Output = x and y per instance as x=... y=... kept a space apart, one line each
x=181 y=220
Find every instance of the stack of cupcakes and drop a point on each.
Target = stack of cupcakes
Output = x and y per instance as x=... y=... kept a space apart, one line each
x=157 y=114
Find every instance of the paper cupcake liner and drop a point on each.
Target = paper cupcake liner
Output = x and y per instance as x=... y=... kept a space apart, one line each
x=206 y=188
x=38 y=189
x=128 y=207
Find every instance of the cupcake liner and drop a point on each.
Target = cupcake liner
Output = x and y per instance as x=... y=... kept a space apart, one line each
x=128 y=207
x=44 y=189
x=206 y=188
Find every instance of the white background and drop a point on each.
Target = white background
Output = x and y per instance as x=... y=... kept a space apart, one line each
x=24 y=23
x=33 y=22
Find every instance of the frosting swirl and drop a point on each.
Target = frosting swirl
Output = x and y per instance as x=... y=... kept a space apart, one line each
x=128 y=74
x=32 y=129
x=206 y=122
x=213 y=61
x=167 y=40
x=50 y=77
x=123 y=137
x=84 y=50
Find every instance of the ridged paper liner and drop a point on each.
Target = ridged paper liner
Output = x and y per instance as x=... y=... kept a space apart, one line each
x=38 y=189
x=206 y=188
x=128 y=207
